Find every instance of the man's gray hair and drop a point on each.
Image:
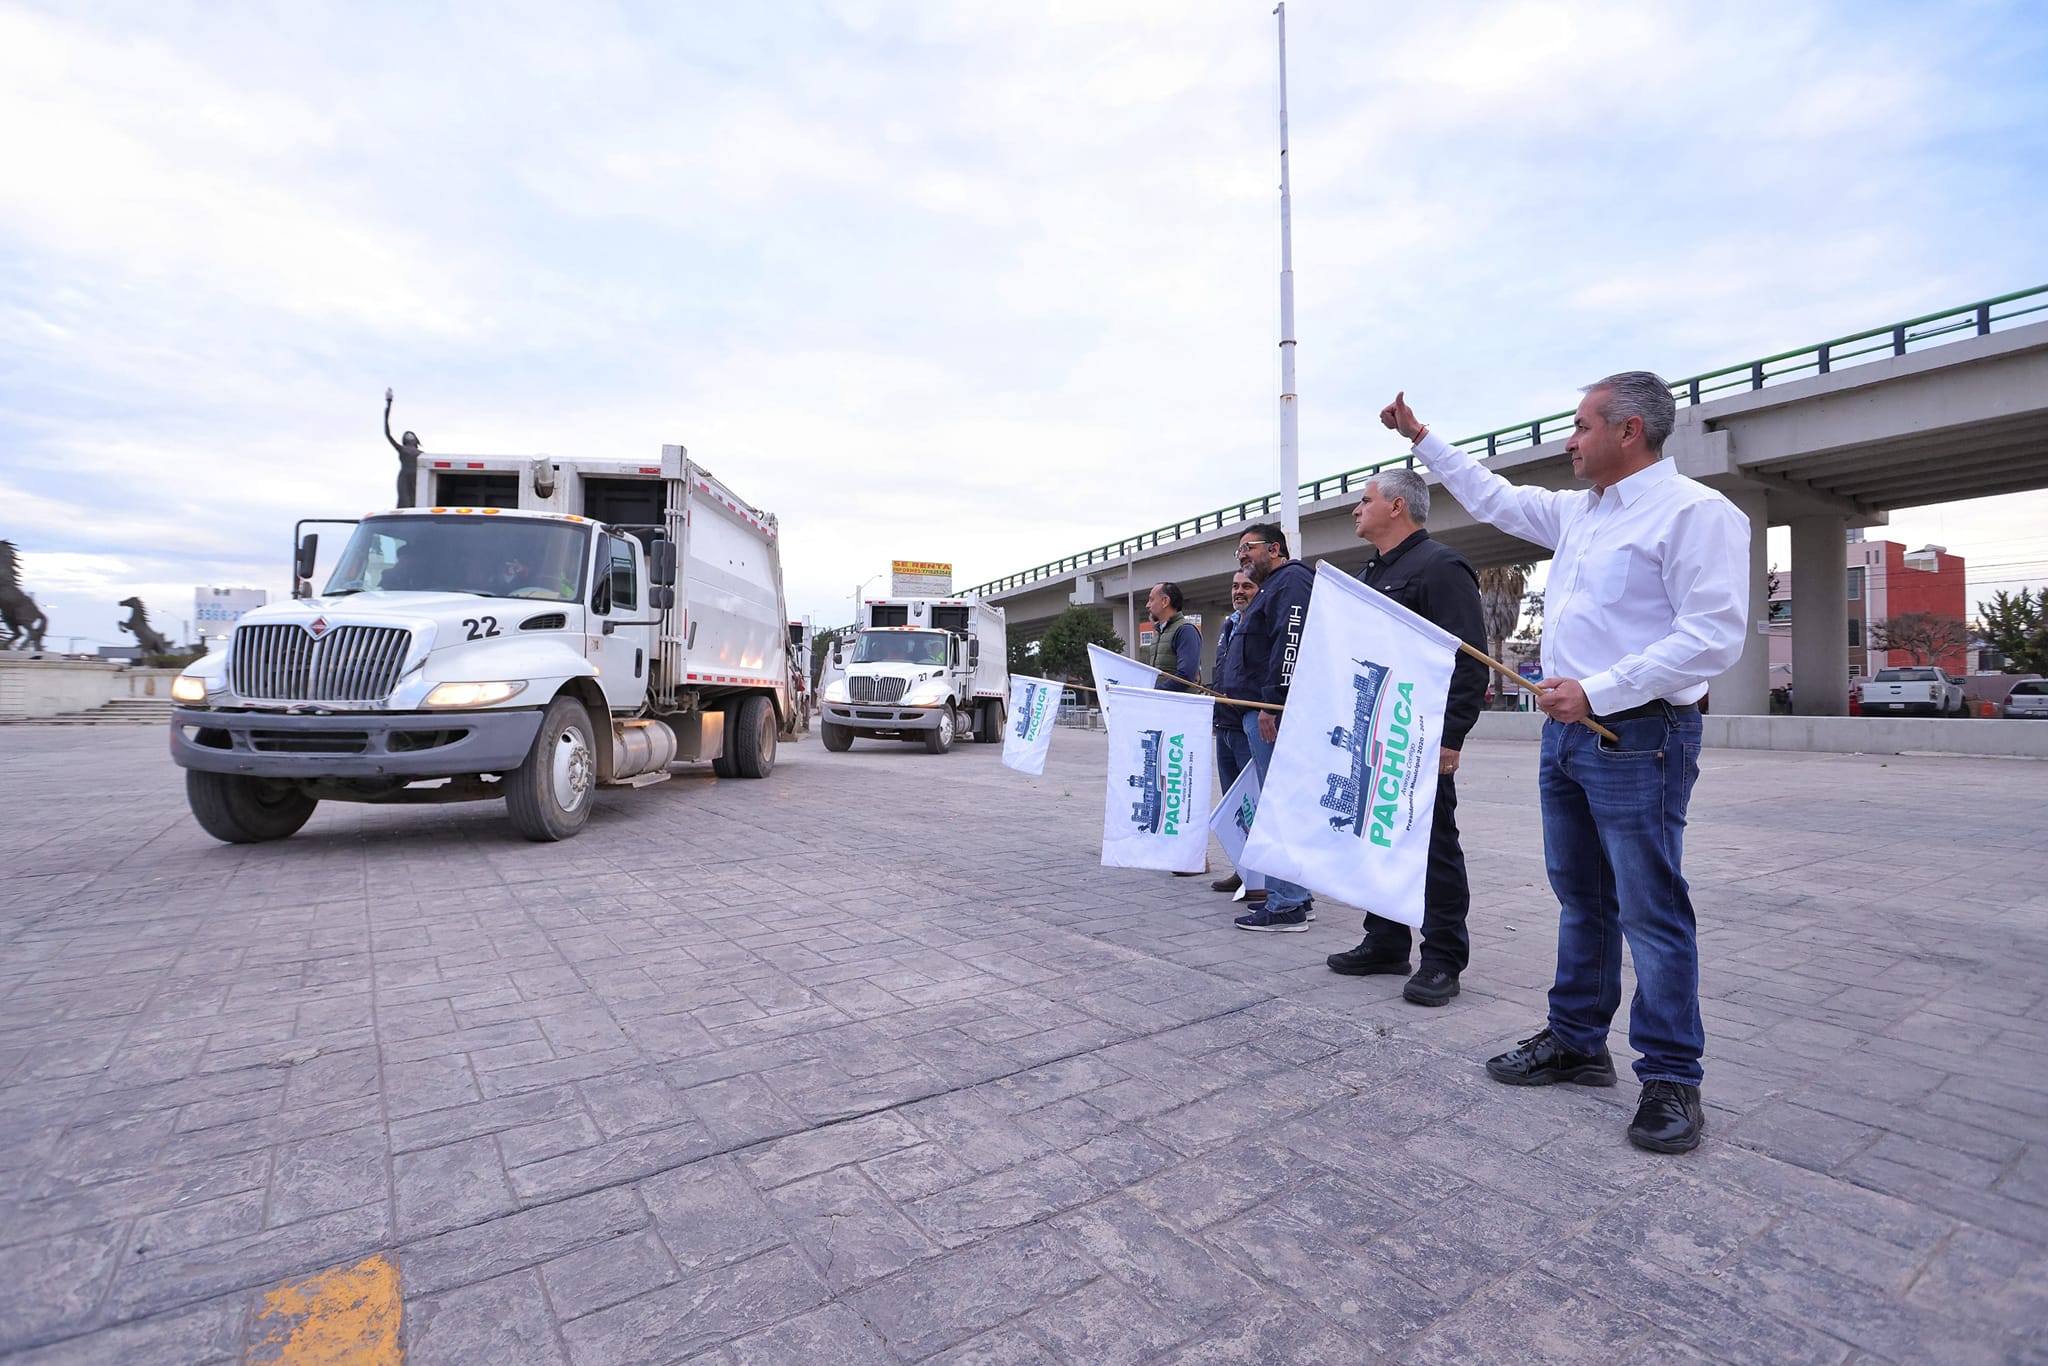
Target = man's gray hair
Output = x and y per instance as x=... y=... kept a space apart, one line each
x=1638 y=393
x=1406 y=485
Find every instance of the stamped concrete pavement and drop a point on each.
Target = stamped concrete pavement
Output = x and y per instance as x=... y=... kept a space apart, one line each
x=872 y=1062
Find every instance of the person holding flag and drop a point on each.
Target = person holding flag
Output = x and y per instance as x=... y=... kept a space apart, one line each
x=1271 y=630
x=1233 y=751
x=1648 y=602
x=1436 y=583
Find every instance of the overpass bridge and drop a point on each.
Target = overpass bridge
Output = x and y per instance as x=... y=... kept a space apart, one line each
x=1935 y=409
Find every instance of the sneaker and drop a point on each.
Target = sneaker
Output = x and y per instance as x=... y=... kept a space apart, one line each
x=1432 y=986
x=1669 y=1119
x=1543 y=1060
x=1227 y=884
x=1368 y=960
x=1294 y=921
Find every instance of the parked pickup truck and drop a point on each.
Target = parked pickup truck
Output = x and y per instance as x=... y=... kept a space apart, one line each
x=1918 y=691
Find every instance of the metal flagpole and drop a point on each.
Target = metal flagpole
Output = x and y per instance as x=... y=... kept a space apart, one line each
x=1290 y=460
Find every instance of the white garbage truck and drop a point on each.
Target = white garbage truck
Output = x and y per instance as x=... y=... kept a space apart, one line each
x=532 y=630
x=920 y=668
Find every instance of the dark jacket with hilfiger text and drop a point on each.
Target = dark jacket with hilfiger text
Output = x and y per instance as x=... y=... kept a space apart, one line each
x=1271 y=629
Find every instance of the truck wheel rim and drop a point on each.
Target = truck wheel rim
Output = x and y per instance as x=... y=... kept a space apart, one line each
x=946 y=726
x=569 y=774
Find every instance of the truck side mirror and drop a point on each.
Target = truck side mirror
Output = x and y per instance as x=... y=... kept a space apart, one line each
x=973 y=654
x=661 y=597
x=661 y=563
x=302 y=562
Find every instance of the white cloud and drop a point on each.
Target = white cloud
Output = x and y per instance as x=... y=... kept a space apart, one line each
x=866 y=260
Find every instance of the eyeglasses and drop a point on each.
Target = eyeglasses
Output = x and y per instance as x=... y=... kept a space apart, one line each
x=1245 y=548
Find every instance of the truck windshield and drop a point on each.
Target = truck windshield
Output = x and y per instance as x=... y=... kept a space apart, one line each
x=900 y=647
x=500 y=557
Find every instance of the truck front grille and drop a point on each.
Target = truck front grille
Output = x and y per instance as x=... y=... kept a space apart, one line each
x=875 y=689
x=287 y=664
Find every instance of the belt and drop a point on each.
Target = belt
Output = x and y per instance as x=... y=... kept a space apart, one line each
x=1669 y=711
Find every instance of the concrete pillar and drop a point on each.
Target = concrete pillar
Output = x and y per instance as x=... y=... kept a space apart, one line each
x=1820 y=617
x=1745 y=690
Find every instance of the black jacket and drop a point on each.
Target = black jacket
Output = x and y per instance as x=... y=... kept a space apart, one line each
x=1434 y=581
x=1271 y=628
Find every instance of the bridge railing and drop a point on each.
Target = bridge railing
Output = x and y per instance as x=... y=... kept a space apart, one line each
x=1895 y=339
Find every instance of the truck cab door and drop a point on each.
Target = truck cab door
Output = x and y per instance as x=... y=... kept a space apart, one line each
x=619 y=638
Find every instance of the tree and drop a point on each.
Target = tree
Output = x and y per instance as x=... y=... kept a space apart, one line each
x=1023 y=650
x=1923 y=635
x=2017 y=627
x=1501 y=588
x=1063 y=649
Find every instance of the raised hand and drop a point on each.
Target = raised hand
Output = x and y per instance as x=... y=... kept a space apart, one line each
x=1398 y=416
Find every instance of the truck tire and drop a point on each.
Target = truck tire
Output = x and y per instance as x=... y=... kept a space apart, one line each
x=838 y=739
x=549 y=796
x=939 y=739
x=722 y=763
x=750 y=731
x=236 y=809
x=988 y=725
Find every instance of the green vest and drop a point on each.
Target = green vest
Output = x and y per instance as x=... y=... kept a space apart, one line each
x=1163 y=644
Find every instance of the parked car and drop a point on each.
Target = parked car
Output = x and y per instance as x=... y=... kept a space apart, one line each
x=2027 y=699
x=1920 y=689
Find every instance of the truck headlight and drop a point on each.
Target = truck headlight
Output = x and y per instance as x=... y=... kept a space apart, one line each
x=186 y=688
x=472 y=694
x=835 y=691
x=929 y=693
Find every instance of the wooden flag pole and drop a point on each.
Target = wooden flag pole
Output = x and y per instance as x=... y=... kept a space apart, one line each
x=1484 y=658
x=1511 y=676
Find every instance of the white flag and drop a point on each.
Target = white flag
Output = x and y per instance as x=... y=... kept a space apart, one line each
x=1351 y=791
x=1115 y=671
x=1034 y=703
x=1232 y=822
x=1160 y=768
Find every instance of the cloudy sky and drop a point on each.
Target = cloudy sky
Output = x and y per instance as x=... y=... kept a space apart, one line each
x=968 y=282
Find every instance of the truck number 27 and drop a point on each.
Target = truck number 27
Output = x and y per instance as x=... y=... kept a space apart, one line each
x=479 y=627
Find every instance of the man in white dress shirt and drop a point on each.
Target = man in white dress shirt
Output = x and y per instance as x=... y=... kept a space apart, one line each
x=1648 y=600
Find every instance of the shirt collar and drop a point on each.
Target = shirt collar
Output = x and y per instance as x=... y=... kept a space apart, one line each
x=1639 y=485
x=1417 y=537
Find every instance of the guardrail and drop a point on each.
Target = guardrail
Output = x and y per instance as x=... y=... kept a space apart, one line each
x=1894 y=339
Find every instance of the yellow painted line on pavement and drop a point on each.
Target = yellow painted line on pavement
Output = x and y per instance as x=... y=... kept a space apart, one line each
x=344 y=1316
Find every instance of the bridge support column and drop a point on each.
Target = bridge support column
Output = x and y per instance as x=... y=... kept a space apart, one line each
x=1745 y=690
x=1820 y=617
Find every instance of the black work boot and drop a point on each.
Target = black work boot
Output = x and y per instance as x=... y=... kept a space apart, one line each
x=1368 y=959
x=1543 y=1060
x=1669 y=1119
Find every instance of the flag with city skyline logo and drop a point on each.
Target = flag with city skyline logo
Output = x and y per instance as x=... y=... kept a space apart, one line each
x=1350 y=795
x=1034 y=703
x=1155 y=810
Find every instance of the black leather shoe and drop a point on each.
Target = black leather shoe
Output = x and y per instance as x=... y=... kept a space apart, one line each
x=1431 y=987
x=1542 y=1060
x=1670 y=1118
x=1227 y=884
x=1367 y=960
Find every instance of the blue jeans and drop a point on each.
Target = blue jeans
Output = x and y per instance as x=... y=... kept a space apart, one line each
x=1281 y=895
x=1613 y=836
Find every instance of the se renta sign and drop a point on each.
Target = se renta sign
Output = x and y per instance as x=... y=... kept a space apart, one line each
x=920 y=579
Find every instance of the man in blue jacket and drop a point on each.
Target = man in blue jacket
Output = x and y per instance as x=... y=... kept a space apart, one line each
x=1233 y=751
x=1271 y=631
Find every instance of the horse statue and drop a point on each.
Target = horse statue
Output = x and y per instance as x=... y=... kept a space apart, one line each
x=138 y=626
x=24 y=621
